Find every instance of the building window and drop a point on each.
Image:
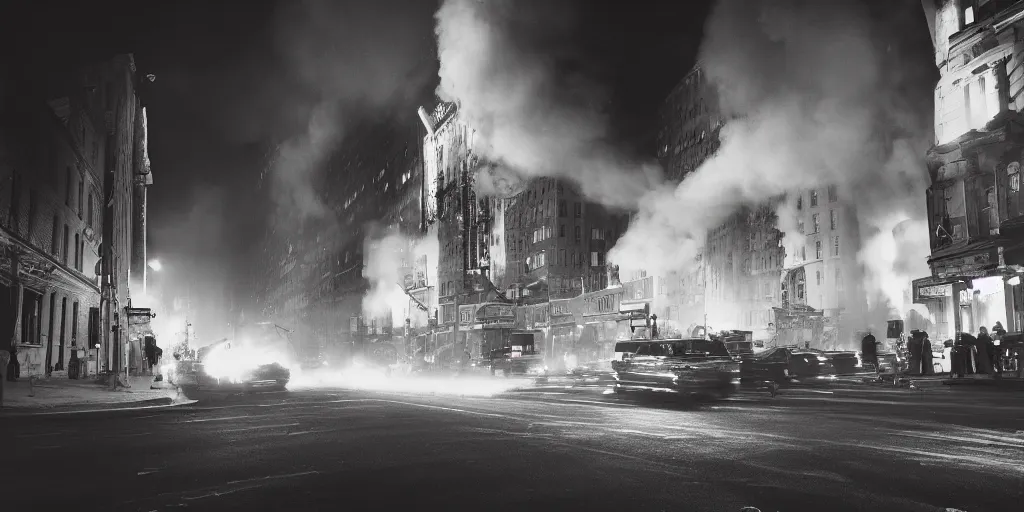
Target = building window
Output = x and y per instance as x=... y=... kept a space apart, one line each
x=562 y=209
x=593 y=259
x=800 y=202
x=90 y=212
x=800 y=226
x=817 y=249
x=817 y=276
x=67 y=242
x=561 y=258
x=803 y=252
x=78 y=240
x=81 y=194
x=579 y=233
x=968 y=15
x=561 y=230
x=839 y=279
x=814 y=198
x=596 y=234
x=579 y=210
x=833 y=194
x=835 y=246
x=833 y=220
x=55 y=237
x=814 y=221
x=68 y=186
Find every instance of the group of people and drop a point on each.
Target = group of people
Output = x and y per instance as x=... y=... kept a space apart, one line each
x=978 y=354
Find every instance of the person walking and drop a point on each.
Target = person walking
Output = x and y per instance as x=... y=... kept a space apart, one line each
x=985 y=347
x=6 y=347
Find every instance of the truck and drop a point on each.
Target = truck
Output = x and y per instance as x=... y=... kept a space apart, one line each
x=519 y=356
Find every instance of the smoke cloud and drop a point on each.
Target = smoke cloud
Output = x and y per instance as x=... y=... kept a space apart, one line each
x=815 y=94
x=353 y=60
x=387 y=257
x=508 y=64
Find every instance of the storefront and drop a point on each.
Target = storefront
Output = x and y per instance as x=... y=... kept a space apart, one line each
x=602 y=324
x=564 y=333
x=496 y=321
x=981 y=286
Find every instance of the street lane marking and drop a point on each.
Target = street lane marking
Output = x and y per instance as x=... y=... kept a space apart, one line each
x=204 y=420
x=147 y=471
x=595 y=402
x=261 y=427
x=256 y=481
x=450 y=409
x=311 y=432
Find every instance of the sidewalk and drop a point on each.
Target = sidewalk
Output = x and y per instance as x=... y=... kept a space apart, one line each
x=63 y=394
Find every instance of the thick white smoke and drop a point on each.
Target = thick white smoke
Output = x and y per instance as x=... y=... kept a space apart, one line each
x=816 y=94
x=352 y=59
x=501 y=61
x=387 y=258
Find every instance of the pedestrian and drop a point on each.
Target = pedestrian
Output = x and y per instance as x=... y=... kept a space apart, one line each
x=869 y=352
x=986 y=348
x=6 y=346
x=927 y=354
x=916 y=348
x=14 y=368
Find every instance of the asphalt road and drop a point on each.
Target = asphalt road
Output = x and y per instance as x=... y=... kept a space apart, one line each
x=545 y=449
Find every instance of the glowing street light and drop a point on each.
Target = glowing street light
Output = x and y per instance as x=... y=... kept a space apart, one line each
x=155 y=265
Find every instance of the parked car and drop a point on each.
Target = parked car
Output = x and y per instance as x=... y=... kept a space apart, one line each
x=690 y=367
x=784 y=364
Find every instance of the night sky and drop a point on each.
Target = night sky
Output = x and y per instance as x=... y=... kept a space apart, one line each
x=227 y=86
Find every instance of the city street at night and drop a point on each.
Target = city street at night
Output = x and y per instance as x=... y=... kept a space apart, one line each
x=542 y=448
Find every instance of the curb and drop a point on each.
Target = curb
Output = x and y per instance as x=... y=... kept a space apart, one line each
x=153 y=403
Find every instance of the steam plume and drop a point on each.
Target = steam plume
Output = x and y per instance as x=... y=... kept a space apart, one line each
x=817 y=94
x=386 y=257
x=499 y=61
x=348 y=70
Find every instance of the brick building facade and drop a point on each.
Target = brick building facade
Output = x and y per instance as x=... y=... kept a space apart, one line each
x=67 y=156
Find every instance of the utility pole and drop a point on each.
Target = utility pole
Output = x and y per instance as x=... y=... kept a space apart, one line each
x=704 y=273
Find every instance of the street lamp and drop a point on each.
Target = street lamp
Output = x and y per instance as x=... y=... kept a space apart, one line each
x=155 y=265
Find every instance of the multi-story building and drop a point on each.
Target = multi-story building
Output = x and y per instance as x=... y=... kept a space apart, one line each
x=72 y=149
x=817 y=258
x=464 y=231
x=556 y=242
x=748 y=276
x=690 y=122
x=744 y=261
x=975 y=204
x=311 y=278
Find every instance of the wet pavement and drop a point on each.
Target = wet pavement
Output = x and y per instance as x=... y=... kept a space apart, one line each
x=552 y=447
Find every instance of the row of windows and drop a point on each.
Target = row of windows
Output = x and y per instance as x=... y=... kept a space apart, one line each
x=818 y=249
x=833 y=196
x=833 y=222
